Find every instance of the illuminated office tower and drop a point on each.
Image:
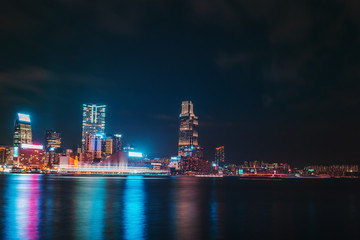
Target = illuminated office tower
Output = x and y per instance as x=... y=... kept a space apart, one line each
x=220 y=156
x=22 y=131
x=53 y=140
x=117 y=143
x=93 y=123
x=188 y=137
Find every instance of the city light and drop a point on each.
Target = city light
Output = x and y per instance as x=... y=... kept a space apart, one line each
x=16 y=151
x=31 y=146
x=135 y=154
x=24 y=117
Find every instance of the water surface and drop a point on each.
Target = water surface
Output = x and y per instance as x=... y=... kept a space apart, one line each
x=135 y=207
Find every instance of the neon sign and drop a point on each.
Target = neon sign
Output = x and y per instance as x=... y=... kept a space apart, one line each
x=31 y=146
x=135 y=154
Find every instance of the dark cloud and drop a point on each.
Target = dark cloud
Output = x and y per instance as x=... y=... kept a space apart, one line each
x=29 y=80
x=164 y=117
x=234 y=59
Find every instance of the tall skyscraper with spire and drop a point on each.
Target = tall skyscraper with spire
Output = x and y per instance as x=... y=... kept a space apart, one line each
x=188 y=136
x=93 y=125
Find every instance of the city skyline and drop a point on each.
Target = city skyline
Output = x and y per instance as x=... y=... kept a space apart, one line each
x=95 y=138
x=182 y=119
x=210 y=152
x=269 y=85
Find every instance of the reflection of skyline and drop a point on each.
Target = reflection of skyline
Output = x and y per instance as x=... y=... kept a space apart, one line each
x=90 y=196
x=187 y=215
x=50 y=207
x=113 y=209
x=22 y=201
x=91 y=213
x=134 y=204
x=214 y=214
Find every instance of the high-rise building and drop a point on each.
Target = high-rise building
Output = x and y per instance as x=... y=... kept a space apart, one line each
x=111 y=144
x=53 y=140
x=117 y=143
x=6 y=154
x=220 y=156
x=93 y=123
x=107 y=146
x=22 y=130
x=188 y=136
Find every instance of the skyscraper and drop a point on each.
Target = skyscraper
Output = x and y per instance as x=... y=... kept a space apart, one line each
x=111 y=144
x=188 y=136
x=117 y=143
x=107 y=146
x=220 y=156
x=53 y=139
x=22 y=130
x=93 y=123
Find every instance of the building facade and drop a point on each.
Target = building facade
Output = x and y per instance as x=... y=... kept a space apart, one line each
x=22 y=130
x=220 y=156
x=52 y=139
x=94 y=144
x=6 y=154
x=107 y=146
x=188 y=136
x=117 y=143
x=93 y=123
x=194 y=166
x=32 y=156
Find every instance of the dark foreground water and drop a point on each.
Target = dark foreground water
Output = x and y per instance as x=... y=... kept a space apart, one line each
x=55 y=207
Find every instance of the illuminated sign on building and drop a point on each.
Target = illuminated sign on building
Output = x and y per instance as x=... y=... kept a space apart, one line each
x=241 y=171
x=100 y=135
x=16 y=151
x=32 y=146
x=135 y=154
x=24 y=117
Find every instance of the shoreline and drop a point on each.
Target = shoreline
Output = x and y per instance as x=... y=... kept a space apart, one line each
x=198 y=176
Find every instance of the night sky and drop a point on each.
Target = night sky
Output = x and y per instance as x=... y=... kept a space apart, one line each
x=270 y=80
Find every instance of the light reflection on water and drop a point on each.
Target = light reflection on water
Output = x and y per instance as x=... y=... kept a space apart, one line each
x=134 y=201
x=53 y=207
x=90 y=199
x=187 y=207
x=22 y=200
